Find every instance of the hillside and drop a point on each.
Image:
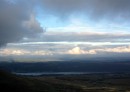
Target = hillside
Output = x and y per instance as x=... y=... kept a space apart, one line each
x=81 y=83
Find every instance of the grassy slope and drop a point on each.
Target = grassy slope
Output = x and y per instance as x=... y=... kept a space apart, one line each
x=85 y=83
x=9 y=82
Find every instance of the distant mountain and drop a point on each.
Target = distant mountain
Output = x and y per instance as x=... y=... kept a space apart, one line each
x=68 y=66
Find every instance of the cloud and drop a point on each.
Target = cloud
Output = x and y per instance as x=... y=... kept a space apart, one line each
x=41 y=52
x=20 y=52
x=78 y=50
x=18 y=17
x=122 y=49
x=33 y=25
x=12 y=19
x=64 y=52
x=8 y=52
x=96 y=9
x=86 y=36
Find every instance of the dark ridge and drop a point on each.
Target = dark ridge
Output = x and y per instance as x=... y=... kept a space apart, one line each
x=13 y=83
x=10 y=82
x=66 y=67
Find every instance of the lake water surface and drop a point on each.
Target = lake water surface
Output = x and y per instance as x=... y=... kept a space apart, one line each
x=56 y=73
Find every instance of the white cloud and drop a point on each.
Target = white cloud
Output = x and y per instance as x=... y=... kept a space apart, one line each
x=15 y=52
x=42 y=53
x=78 y=50
x=6 y=52
x=123 y=49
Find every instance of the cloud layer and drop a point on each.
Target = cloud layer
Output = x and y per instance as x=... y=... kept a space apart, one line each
x=60 y=51
x=96 y=9
x=18 y=17
x=63 y=52
x=86 y=36
x=23 y=35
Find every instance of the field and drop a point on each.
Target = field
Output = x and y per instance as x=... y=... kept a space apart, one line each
x=98 y=82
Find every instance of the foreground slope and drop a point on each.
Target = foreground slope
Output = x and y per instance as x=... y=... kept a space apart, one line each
x=108 y=82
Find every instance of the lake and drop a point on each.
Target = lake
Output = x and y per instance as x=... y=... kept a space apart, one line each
x=55 y=73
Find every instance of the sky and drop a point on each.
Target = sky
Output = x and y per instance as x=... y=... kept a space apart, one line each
x=61 y=30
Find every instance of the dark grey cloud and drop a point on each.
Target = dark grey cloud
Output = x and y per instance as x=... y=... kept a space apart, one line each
x=96 y=9
x=16 y=21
